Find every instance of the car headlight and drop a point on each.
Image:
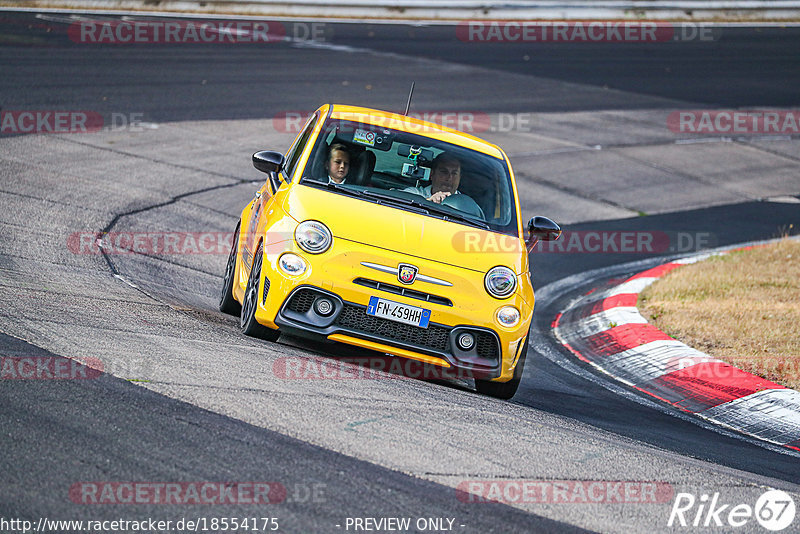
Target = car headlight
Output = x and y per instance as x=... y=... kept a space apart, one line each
x=292 y=264
x=508 y=316
x=313 y=237
x=500 y=282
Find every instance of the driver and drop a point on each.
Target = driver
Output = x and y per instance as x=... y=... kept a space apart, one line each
x=445 y=177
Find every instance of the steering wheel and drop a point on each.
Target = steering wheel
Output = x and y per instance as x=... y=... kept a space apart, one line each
x=464 y=203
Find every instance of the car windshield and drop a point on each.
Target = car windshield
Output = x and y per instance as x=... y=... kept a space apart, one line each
x=404 y=170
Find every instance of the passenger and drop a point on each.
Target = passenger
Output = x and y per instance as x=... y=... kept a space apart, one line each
x=337 y=163
x=445 y=178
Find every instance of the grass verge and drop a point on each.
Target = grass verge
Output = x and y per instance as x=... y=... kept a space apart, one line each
x=742 y=307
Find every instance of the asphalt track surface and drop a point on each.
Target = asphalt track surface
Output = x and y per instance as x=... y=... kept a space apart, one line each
x=739 y=67
x=56 y=433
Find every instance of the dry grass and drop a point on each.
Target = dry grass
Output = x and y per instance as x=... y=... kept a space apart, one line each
x=742 y=307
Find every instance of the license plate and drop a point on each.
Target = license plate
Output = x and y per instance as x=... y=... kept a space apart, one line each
x=402 y=313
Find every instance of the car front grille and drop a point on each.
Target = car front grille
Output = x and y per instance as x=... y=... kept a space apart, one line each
x=435 y=338
x=302 y=300
x=486 y=345
x=355 y=318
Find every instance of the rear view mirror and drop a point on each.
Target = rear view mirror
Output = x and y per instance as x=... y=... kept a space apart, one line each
x=421 y=155
x=541 y=228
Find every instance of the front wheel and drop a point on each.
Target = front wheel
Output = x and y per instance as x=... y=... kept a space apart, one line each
x=247 y=320
x=228 y=304
x=505 y=390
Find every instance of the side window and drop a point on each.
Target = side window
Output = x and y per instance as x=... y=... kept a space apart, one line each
x=293 y=155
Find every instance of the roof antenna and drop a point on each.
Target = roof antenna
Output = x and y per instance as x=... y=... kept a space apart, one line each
x=408 y=104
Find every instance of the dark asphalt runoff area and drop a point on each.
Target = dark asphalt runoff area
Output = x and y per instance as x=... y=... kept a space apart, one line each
x=737 y=68
x=56 y=433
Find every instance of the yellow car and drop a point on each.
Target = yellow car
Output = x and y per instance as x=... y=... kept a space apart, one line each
x=393 y=234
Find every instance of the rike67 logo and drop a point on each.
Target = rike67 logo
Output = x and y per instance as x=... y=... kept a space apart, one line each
x=774 y=510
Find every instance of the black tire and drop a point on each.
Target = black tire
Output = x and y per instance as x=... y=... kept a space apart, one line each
x=505 y=390
x=228 y=304
x=247 y=319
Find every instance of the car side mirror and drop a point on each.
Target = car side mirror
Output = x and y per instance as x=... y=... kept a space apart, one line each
x=541 y=228
x=268 y=161
x=271 y=163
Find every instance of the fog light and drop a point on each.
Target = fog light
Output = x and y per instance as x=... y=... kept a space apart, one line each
x=465 y=341
x=508 y=316
x=292 y=264
x=323 y=306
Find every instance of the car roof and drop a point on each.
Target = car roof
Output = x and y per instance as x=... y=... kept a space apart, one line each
x=409 y=124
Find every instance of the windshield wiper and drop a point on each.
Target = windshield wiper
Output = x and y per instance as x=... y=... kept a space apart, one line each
x=375 y=197
x=449 y=215
x=378 y=197
x=428 y=208
x=333 y=186
x=396 y=200
x=409 y=205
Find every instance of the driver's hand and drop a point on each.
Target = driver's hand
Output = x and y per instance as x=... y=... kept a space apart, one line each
x=439 y=196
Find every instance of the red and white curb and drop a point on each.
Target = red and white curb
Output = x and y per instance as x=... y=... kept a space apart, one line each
x=605 y=329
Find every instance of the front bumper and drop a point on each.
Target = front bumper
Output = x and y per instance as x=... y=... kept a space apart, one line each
x=438 y=341
x=339 y=276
